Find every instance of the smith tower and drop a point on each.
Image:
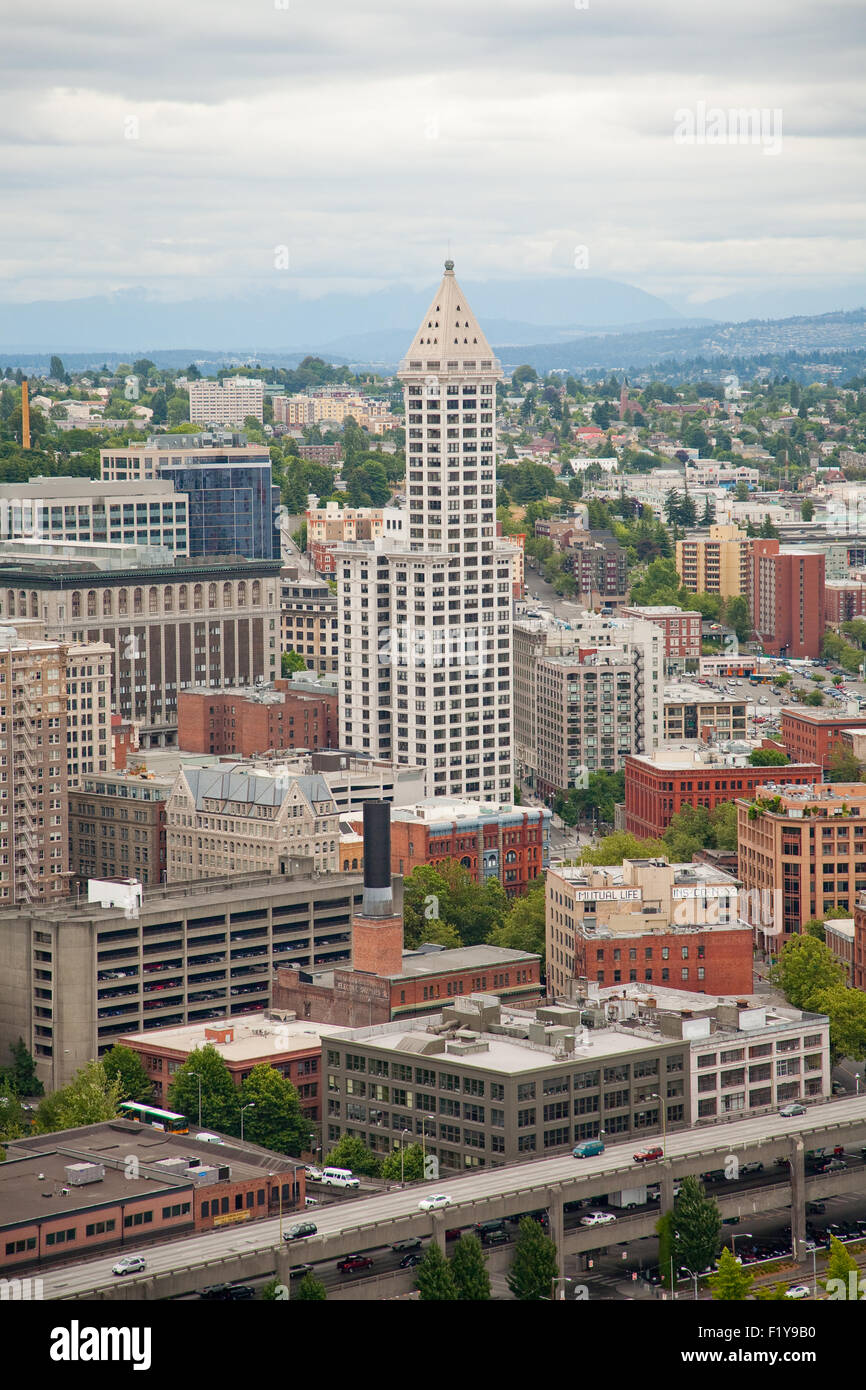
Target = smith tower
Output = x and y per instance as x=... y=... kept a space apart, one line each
x=426 y=620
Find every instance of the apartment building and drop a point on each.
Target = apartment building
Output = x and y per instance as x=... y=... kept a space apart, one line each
x=533 y=638
x=589 y=715
x=535 y=1085
x=226 y=403
x=659 y=785
x=76 y=975
x=34 y=851
x=600 y=568
x=332 y=526
x=247 y=817
x=88 y=709
x=293 y=410
x=170 y=627
x=801 y=853
x=292 y=1046
x=691 y=711
x=646 y=920
x=811 y=735
x=308 y=619
x=425 y=622
x=719 y=563
x=84 y=510
x=682 y=633
x=117 y=827
x=788 y=599
x=247 y=723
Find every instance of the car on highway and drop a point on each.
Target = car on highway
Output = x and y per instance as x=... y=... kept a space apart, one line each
x=434 y=1203
x=797 y=1291
x=351 y=1264
x=400 y=1247
x=302 y=1229
x=214 y=1291
x=648 y=1155
x=588 y=1149
x=298 y=1271
x=746 y=1168
x=315 y=1174
x=412 y=1259
x=130 y=1264
x=597 y=1218
x=789 y=1111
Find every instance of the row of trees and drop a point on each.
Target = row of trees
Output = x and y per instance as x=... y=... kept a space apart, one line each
x=442 y=904
x=811 y=978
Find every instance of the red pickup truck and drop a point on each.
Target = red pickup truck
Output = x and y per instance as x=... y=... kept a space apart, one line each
x=351 y=1263
x=647 y=1155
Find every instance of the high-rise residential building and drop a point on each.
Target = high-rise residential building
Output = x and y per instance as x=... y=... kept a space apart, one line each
x=34 y=848
x=228 y=402
x=788 y=599
x=719 y=563
x=88 y=709
x=308 y=619
x=81 y=510
x=588 y=716
x=230 y=501
x=245 y=817
x=171 y=626
x=425 y=621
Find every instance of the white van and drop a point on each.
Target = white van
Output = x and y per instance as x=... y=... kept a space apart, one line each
x=339 y=1177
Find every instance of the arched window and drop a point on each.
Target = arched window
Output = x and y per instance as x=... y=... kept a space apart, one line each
x=22 y=604
x=510 y=857
x=10 y=602
x=227 y=595
x=196 y=596
x=242 y=592
x=168 y=599
x=76 y=604
x=211 y=596
x=257 y=593
x=34 y=604
x=91 y=603
x=153 y=599
x=106 y=603
x=183 y=599
x=138 y=601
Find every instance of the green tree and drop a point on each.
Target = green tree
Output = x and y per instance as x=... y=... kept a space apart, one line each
x=768 y=757
x=23 y=1074
x=772 y=1293
x=434 y=1280
x=737 y=617
x=411 y=1169
x=806 y=968
x=277 y=1121
x=124 y=1065
x=846 y=1010
x=13 y=1117
x=535 y=1266
x=731 y=1283
x=469 y=1270
x=89 y=1098
x=814 y=698
x=841 y=1263
x=524 y=927
x=351 y=1152
x=815 y=927
x=220 y=1103
x=272 y=1291
x=446 y=891
x=310 y=1290
x=438 y=933
x=697 y=1226
x=613 y=849
x=159 y=406
x=807 y=510
x=292 y=661
x=843 y=766
x=57 y=369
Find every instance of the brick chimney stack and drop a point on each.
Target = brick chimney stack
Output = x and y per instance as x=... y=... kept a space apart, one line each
x=377 y=933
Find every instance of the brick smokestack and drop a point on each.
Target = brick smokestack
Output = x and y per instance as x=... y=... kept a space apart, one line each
x=377 y=933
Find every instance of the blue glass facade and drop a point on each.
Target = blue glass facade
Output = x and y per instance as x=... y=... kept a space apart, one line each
x=232 y=507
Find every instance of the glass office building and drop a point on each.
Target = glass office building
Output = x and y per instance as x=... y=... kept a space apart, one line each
x=232 y=508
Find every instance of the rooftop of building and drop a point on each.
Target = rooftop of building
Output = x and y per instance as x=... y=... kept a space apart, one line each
x=310 y=686
x=249 y=784
x=257 y=1035
x=843 y=926
x=832 y=798
x=445 y=811
x=629 y=872
x=820 y=716
x=84 y=487
x=678 y=756
x=662 y=610
x=36 y=1165
x=686 y=693
x=59 y=571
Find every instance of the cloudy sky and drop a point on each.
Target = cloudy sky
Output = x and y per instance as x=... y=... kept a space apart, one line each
x=206 y=148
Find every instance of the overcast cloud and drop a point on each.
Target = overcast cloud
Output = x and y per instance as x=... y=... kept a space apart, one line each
x=176 y=146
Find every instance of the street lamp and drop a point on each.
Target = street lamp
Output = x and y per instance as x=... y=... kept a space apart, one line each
x=563 y=1279
x=655 y=1096
x=734 y=1239
x=857 y=1081
x=694 y=1276
x=250 y=1106
x=405 y=1131
x=198 y=1078
x=814 y=1268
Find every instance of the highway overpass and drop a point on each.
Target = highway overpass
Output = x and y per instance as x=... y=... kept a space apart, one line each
x=234 y=1253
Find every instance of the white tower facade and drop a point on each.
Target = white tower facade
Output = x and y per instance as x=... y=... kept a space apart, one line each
x=426 y=619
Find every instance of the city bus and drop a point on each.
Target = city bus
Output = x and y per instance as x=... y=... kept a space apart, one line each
x=167 y=1120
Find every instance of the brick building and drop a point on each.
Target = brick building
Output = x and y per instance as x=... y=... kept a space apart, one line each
x=681 y=627
x=658 y=785
x=117 y=828
x=181 y=1186
x=800 y=854
x=788 y=599
x=690 y=711
x=246 y=723
x=810 y=735
x=511 y=843
x=646 y=921
x=291 y=1047
x=844 y=600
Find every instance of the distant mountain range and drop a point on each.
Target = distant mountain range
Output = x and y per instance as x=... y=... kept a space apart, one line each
x=571 y=322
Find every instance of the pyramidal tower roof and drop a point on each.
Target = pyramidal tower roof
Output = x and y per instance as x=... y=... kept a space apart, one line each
x=449 y=339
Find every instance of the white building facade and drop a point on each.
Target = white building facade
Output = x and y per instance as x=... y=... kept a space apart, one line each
x=426 y=620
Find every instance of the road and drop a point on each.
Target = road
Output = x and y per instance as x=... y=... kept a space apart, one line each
x=369 y=1213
